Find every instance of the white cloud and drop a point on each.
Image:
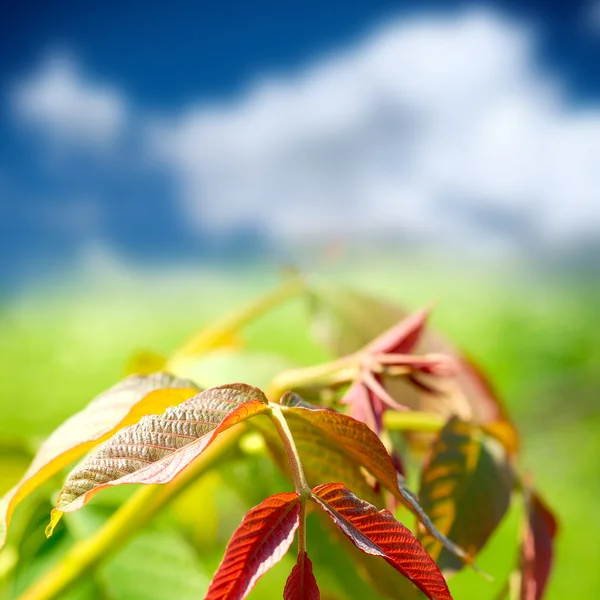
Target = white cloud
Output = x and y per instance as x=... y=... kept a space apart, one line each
x=61 y=101
x=437 y=126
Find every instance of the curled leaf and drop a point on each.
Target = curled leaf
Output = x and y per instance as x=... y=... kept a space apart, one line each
x=378 y=533
x=121 y=405
x=465 y=489
x=261 y=541
x=157 y=448
x=301 y=584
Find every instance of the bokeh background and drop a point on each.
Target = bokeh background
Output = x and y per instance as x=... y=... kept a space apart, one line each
x=162 y=162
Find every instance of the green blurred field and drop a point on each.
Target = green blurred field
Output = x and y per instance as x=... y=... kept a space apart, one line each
x=539 y=339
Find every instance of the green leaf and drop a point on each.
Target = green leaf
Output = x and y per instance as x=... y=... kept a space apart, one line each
x=159 y=447
x=465 y=489
x=121 y=405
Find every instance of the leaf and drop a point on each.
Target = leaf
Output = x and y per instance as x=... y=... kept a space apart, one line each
x=157 y=448
x=345 y=320
x=261 y=541
x=322 y=459
x=354 y=437
x=465 y=489
x=379 y=534
x=538 y=549
x=301 y=584
x=138 y=571
x=314 y=430
x=402 y=337
x=331 y=443
x=121 y=405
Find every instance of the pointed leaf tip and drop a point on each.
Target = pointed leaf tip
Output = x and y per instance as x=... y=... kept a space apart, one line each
x=301 y=584
x=402 y=337
x=378 y=533
x=55 y=517
x=260 y=542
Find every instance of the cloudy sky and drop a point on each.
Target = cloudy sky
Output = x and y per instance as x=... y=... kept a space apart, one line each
x=174 y=132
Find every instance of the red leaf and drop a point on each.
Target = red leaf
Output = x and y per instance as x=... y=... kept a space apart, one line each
x=361 y=446
x=402 y=337
x=261 y=541
x=379 y=534
x=301 y=584
x=538 y=549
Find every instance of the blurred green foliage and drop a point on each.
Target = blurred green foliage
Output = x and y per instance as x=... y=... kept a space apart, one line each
x=538 y=338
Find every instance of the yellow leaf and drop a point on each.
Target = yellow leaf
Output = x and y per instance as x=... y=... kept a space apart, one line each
x=121 y=405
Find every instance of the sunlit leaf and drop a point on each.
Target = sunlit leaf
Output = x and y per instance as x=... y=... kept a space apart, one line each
x=322 y=458
x=301 y=584
x=121 y=405
x=538 y=549
x=316 y=429
x=157 y=448
x=357 y=441
x=378 y=533
x=465 y=489
x=261 y=541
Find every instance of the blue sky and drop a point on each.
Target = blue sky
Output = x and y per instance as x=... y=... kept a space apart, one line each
x=174 y=131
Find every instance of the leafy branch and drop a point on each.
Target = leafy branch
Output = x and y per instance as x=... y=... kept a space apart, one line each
x=160 y=430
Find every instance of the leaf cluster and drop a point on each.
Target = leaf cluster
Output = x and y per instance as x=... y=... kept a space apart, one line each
x=345 y=431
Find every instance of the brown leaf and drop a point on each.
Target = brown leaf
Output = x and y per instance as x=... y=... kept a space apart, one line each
x=157 y=448
x=378 y=533
x=261 y=541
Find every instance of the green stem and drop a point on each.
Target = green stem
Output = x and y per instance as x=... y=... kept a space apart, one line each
x=125 y=522
x=302 y=527
x=423 y=422
x=218 y=332
x=297 y=471
x=287 y=438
